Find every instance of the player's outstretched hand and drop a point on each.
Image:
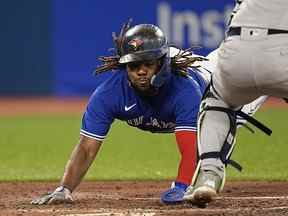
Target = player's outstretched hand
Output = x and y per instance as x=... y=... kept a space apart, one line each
x=60 y=195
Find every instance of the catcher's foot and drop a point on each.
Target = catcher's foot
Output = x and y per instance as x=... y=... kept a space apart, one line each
x=205 y=189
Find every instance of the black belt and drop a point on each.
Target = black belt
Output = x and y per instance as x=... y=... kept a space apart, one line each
x=232 y=31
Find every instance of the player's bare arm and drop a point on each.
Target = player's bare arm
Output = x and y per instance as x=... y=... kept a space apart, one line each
x=80 y=160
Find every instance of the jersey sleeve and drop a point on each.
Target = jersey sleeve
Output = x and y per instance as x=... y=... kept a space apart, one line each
x=186 y=142
x=98 y=117
x=186 y=111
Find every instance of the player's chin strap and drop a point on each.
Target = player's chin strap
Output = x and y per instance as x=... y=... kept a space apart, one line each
x=229 y=143
x=163 y=75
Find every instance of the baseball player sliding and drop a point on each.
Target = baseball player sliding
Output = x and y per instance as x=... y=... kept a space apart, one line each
x=252 y=61
x=151 y=86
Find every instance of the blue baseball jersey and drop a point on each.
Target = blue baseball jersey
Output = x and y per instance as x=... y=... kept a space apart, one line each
x=174 y=108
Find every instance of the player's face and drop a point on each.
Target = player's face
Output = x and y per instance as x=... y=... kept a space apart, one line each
x=140 y=73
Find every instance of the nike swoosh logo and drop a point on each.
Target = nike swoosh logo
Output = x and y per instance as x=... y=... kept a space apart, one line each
x=129 y=107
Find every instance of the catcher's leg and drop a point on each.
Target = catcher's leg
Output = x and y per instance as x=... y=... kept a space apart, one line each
x=216 y=132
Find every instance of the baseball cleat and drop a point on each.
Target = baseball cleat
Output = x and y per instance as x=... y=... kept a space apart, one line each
x=205 y=189
x=175 y=194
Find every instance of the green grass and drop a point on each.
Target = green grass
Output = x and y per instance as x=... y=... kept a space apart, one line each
x=263 y=157
x=37 y=148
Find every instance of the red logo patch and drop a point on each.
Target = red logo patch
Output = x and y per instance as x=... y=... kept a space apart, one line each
x=135 y=44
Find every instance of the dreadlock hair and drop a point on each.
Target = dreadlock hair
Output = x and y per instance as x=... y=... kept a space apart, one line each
x=183 y=60
x=112 y=62
x=108 y=63
x=180 y=63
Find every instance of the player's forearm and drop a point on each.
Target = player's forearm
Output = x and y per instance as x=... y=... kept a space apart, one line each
x=81 y=159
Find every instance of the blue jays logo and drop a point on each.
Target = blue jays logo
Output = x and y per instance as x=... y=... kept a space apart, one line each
x=135 y=44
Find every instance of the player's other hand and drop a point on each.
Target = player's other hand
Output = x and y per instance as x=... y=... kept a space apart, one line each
x=175 y=194
x=60 y=195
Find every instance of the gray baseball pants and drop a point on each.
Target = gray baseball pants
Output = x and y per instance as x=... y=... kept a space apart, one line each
x=249 y=65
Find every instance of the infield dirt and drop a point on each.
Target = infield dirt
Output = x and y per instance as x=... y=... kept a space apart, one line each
x=142 y=198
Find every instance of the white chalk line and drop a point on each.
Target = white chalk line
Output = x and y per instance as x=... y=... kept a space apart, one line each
x=218 y=198
x=113 y=213
x=152 y=212
x=254 y=197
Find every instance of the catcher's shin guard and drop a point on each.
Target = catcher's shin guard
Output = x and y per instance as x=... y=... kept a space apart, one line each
x=218 y=130
x=210 y=102
x=223 y=145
